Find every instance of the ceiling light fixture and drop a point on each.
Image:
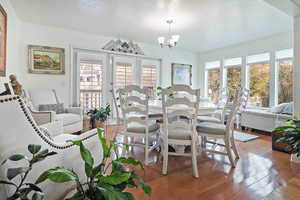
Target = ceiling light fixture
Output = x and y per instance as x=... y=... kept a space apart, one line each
x=171 y=40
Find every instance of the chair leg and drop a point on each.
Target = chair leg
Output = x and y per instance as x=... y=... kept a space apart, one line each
x=165 y=158
x=194 y=160
x=146 y=150
x=229 y=153
x=234 y=147
x=124 y=147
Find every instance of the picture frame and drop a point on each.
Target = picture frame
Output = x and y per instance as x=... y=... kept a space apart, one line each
x=46 y=60
x=3 y=41
x=181 y=74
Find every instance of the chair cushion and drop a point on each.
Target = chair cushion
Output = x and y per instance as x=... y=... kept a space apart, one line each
x=64 y=138
x=211 y=128
x=179 y=134
x=208 y=119
x=139 y=128
x=68 y=118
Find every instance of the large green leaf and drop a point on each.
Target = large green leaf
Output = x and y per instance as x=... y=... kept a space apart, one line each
x=88 y=170
x=77 y=196
x=111 y=193
x=106 y=149
x=146 y=188
x=115 y=178
x=131 y=161
x=58 y=175
x=33 y=148
x=34 y=187
x=62 y=175
x=16 y=157
x=38 y=196
x=13 y=172
x=86 y=155
x=42 y=155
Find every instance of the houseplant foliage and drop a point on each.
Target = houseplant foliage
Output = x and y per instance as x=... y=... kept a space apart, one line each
x=106 y=181
x=100 y=114
x=25 y=190
x=291 y=136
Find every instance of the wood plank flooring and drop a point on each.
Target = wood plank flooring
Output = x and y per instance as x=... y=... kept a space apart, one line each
x=260 y=174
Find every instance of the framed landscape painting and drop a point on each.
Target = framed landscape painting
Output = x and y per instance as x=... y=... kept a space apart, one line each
x=181 y=74
x=3 y=36
x=46 y=60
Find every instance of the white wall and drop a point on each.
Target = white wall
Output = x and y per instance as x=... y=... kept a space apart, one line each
x=57 y=37
x=13 y=38
x=297 y=67
x=269 y=44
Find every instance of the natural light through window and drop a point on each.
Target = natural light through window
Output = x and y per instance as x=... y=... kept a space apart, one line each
x=233 y=75
x=124 y=74
x=213 y=80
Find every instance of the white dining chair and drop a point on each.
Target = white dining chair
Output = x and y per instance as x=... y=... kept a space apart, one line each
x=135 y=110
x=217 y=131
x=179 y=124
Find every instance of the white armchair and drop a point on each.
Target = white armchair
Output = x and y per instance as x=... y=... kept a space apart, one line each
x=18 y=130
x=72 y=117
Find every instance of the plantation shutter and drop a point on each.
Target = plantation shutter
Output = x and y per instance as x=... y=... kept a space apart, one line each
x=149 y=74
x=124 y=74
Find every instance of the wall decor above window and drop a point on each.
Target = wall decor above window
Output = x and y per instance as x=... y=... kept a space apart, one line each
x=46 y=60
x=124 y=47
x=181 y=74
x=3 y=33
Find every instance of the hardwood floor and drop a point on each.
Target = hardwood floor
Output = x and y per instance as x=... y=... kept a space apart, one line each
x=260 y=174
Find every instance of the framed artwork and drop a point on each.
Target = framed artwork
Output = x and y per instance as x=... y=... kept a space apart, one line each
x=3 y=36
x=181 y=74
x=46 y=60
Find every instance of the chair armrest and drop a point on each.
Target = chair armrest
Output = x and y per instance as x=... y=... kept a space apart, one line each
x=75 y=110
x=43 y=117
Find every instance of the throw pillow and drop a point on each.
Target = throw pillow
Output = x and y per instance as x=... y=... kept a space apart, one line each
x=48 y=107
x=60 y=108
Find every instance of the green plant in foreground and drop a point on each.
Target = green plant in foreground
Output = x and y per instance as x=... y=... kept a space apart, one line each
x=106 y=181
x=24 y=189
x=291 y=135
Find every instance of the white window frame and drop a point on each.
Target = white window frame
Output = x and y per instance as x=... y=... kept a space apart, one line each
x=262 y=58
x=80 y=55
x=286 y=55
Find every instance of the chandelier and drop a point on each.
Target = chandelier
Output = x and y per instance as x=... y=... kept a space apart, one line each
x=171 y=40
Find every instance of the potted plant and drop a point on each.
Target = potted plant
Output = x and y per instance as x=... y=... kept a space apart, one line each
x=23 y=189
x=159 y=91
x=99 y=116
x=108 y=180
x=291 y=137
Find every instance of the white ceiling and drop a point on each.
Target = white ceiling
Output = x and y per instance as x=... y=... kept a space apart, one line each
x=202 y=24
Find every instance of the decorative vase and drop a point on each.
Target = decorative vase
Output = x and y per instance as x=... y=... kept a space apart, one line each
x=295 y=159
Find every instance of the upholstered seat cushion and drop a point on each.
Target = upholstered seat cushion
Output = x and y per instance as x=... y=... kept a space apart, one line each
x=64 y=138
x=68 y=118
x=211 y=128
x=208 y=119
x=179 y=134
x=139 y=128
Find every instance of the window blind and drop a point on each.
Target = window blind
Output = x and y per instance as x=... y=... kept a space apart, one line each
x=285 y=54
x=124 y=74
x=212 y=65
x=258 y=58
x=233 y=62
x=149 y=76
x=91 y=77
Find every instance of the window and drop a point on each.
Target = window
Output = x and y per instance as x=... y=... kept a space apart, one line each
x=124 y=74
x=233 y=72
x=149 y=73
x=213 y=77
x=91 y=74
x=259 y=79
x=284 y=61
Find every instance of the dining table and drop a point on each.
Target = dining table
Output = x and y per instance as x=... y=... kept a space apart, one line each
x=205 y=107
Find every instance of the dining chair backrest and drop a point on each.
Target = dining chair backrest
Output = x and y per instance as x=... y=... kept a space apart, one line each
x=223 y=97
x=233 y=112
x=134 y=105
x=180 y=111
